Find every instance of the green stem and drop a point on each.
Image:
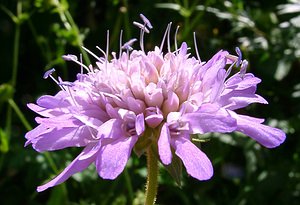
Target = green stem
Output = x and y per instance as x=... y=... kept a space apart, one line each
x=28 y=127
x=14 y=67
x=152 y=178
x=15 y=107
x=78 y=37
x=15 y=55
x=69 y=24
x=129 y=186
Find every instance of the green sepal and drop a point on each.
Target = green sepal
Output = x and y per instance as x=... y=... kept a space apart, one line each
x=175 y=169
x=144 y=142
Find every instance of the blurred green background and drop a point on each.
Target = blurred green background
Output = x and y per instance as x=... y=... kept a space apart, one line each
x=34 y=34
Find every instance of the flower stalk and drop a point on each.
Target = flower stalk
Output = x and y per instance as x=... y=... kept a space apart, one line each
x=152 y=177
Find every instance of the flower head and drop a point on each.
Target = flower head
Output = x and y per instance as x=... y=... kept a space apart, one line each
x=140 y=99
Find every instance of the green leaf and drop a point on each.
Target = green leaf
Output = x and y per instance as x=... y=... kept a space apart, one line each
x=4 y=146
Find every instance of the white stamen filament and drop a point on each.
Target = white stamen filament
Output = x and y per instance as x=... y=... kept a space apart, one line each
x=165 y=35
x=102 y=51
x=175 y=40
x=229 y=70
x=120 y=43
x=90 y=52
x=49 y=74
x=196 y=47
x=107 y=50
x=81 y=64
x=72 y=97
x=168 y=42
x=61 y=87
x=81 y=68
x=142 y=39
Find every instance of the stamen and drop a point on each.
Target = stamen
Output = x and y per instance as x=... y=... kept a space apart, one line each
x=81 y=68
x=69 y=57
x=120 y=43
x=165 y=35
x=239 y=60
x=102 y=51
x=74 y=59
x=128 y=44
x=169 y=46
x=196 y=47
x=48 y=73
x=90 y=52
x=146 y=21
x=232 y=58
x=175 y=39
x=141 y=26
x=229 y=70
x=243 y=68
x=68 y=85
x=142 y=31
x=107 y=49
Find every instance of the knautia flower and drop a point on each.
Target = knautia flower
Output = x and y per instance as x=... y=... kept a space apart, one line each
x=147 y=100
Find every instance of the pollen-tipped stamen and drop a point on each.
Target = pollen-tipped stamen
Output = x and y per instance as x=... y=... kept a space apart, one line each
x=128 y=44
x=243 y=68
x=240 y=56
x=74 y=59
x=146 y=21
x=48 y=74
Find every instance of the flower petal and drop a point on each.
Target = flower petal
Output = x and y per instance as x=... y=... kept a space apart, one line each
x=140 y=124
x=62 y=138
x=113 y=156
x=267 y=136
x=153 y=117
x=40 y=110
x=238 y=83
x=110 y=129
x=164 y=148
x=205 y=120
x=77 y=165
x=171 y=104
x=49 y=102
x=239 y=99
x=195 y=161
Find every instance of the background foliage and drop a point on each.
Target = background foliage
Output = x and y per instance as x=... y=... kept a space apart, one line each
x=34 y=34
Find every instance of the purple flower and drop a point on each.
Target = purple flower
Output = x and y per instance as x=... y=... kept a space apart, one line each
x=140 y=98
